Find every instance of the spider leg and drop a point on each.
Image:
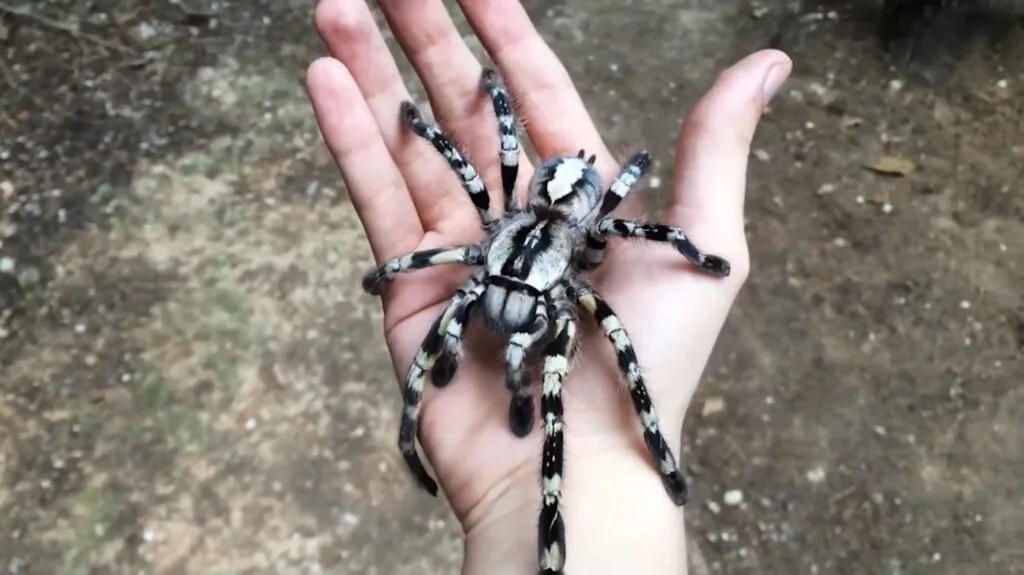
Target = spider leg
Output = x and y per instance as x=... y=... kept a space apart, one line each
x=376 y=280
x=412 y=391
x=712 y=264
x=631 y=173
x=490 y=83
x=520 y=412
x=468 y=175
x=557 y=356
x=451 y=354
x=657 y=445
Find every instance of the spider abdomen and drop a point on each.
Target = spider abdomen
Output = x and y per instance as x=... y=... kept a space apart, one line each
x=525 y=260
x=509 y=305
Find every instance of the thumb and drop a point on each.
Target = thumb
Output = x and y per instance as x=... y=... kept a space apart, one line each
x=711 y=153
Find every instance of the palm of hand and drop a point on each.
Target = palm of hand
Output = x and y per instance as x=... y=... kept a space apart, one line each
x=671 y=310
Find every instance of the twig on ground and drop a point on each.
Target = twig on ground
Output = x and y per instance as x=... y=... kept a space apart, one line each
x=66 y=27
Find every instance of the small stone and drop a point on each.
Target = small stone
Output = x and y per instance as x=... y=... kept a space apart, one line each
x=655 y=182
x=816 y=474
x=733 y=497
x=250 y=424
x=762 y=154
x=712 y=406
x=350 y=519
x=7 y=265
x=965 y=304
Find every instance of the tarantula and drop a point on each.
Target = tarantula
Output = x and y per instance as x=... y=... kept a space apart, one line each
x=530 y=286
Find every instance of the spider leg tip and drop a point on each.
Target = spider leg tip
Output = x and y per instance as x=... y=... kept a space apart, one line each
x=488 y=77
x=718 y=266
x=520 y=416
x=410 y=112
x=374 y=283
x=444 y=370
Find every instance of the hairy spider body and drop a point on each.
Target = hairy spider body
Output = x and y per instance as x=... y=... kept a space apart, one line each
x=530 y=286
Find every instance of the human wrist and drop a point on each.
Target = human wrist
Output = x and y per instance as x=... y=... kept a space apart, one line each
x=618 y=519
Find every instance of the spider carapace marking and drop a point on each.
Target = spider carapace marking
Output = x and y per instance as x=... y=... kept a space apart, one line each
x=530 y=286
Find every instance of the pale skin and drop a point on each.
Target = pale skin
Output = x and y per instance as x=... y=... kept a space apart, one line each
x=618 y=517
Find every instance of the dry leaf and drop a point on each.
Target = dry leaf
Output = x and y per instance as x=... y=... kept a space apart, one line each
x=891 y=165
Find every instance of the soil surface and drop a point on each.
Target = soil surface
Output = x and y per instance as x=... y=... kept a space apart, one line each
x=192 y=381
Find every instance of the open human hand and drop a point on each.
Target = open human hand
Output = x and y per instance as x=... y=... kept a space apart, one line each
x=408 y=199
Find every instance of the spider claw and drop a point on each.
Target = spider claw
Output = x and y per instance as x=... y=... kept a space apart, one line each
x=419 y=472
x=580 y=154
x=488 y=78
x=375 y=282
x=675 y=486
x=520 y=416
x=413 y=119
x=716 y=266
x=444 y=370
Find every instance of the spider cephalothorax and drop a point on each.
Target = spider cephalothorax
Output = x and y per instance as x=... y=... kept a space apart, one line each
x=530 y=286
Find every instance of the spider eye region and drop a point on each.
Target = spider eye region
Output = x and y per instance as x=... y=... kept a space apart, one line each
x=569 y=184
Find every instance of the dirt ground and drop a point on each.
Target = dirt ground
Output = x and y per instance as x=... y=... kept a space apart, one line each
x=192 y=381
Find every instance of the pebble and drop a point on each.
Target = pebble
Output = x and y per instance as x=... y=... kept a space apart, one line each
x=7 y=265
x=733 y=497
x=712 y=406
x=816 y=474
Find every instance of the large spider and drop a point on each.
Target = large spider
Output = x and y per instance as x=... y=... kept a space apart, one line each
x=531 y=287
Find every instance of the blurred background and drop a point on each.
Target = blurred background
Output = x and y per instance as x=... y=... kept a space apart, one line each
x=192 y=382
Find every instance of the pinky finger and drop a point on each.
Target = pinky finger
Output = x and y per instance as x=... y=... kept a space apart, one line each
x=374 y=182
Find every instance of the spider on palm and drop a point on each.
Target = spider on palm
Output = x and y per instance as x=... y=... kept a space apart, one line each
x=530 y=286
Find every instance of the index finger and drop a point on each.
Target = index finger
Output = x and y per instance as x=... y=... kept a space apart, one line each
x=374 y=182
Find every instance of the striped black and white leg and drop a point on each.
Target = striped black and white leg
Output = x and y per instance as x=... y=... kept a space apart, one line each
x=557 y=357
x=451 y=354
x=712 y=264
x=508 y=133
x=520 y=412
x=629 y=365
x=377 y=280
x=634 y=170
x=412 y=391
x=468 y=174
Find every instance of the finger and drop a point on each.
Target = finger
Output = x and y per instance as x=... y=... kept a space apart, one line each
x=555 y=118
x=451 y=75
x=712 y=150
x=374 y=183
x=348 y=29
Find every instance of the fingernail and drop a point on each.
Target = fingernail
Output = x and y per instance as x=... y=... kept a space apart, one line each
x=773 y=80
